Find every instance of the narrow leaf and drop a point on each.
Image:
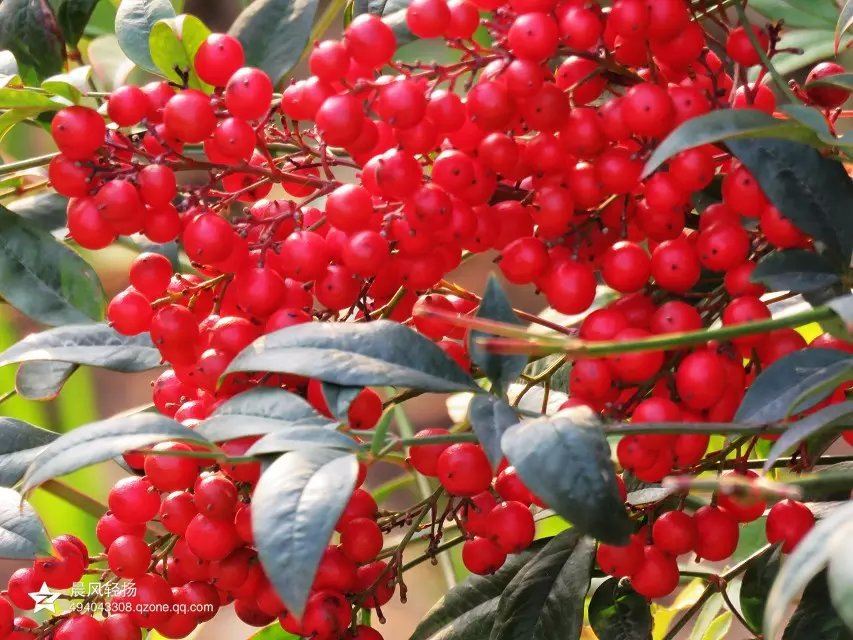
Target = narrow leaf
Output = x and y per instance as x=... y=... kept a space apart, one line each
x=295 y=438
x=833 y=417
x=339 y=398
x=20 y=443
x=490 y=417
x=22 y=535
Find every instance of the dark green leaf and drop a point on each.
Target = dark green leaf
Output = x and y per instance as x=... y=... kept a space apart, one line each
x=845 y=21
x=725 y=124
x=295 y=507
x=757 y=580
x=257 y=412
x=833 y=417
x=565 y=460
x=134 y=21
x=501 y=369
x=794 y=270
x=829 y=536
x=545 y=600
x=294 y=438
x=22 y=535
x=840 y=579
x=20 y=443
x=617 y=612
x=47 y=210
x=29 y=30
x=43 y=278
x=289 y=20
x=380 y=353
x=812 y=191
x=339 y=398
x=786 y=381
x=101 y=441
x=815 y=617
x=73 y=15
x=471 y=605
x=490 y=417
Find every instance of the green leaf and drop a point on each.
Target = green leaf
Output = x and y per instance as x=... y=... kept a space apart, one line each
x=20 y=98
x=22 y=535
x=339 y=398
x=296 y=438
x=14 y=116
x=173 y=43
x=784 y=383
x=134 y=21
x=794 y=270
x=101 y=441
x=379 y=353
x=295 y=507
x=845 y=21
x=29 y=30
x=815 y=617
x=273 y=632
x=47 y=210
x=840 y=579
x=73 y=15
x=289 y=20
x=565 y=460
x=43 y=278
x=467 y=611
x=490 y=417
x=719 y=627
x=393 y=13
x=725 y=124
x=842 y=81
x=545 y=600
x=617 y=612
x=71 y=85
x=501 y=369
x=829 y=536
x=833 y=417
x=812 y=191
x=20 y=444
x=818 y=14
x=817 y=44
x=757 y=580
x=257 y=412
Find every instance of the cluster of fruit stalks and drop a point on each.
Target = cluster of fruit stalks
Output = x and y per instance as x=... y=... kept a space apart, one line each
x=494 y=152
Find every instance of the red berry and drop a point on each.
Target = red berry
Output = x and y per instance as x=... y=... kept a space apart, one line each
x=716 y=533
x=482 y=556
x=788 y=522
x=674 y=532
x=463 y=469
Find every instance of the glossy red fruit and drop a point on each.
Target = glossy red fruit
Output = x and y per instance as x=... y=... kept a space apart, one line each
x=716 y=533
x=657 y=575
x=218 y=57
x=134 y=500
x=482 y=556
x=745 y=508
x=788 y=522
x=78 y=132
x=129 y=557
x=511 y=527
x=361 y=540
x=464 y=470
x=674 y=532
x=424 y=458
x=621 y=561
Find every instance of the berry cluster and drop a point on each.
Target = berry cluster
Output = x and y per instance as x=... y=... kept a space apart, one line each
x=532 y=147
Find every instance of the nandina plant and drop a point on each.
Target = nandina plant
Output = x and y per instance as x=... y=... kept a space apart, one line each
x=668 y=176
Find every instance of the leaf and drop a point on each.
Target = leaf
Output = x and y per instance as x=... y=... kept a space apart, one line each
x=816 y=45
x=134 y=21
x=101 y=441
x=21 y=98
x=71 y=85
x=794 y=270
x=289 y=20
x=471 y=605
x=8 y=64
x=843 y=307
x=47 y=210
x=545 y=600
x=339 y=398
x=72 y=16
x=29 y=30
x=617 y=612
x=841 y=80
x=812 y=191
x=20 y=443
x=833 y=417
x=798 y=13
x=565 y=461
x=379 y=353
x=757 y=580
x=707 y=615
x=173 y=43
x=845 y=21
x=273 y=632
x=840 y=580
x=14 y=116
x=43 y=278
x=257 y=412
x=295 y=507
x=719 y=627
x=490 y=417
x=22 y=535
x=815 y=616
x=725 y=124
x=393 y=14
x=830 y=535
x=648 y=495
x=784 y=382
x=296 y=438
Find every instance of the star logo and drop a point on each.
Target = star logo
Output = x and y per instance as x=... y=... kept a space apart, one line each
x=45 y=599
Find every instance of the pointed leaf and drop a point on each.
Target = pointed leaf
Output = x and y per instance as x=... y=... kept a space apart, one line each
x=22 y=535
x=545 y=600
x=617 y=612
x=73 y=16
x=490 y=417
x=43 y=278
x=20 y=443
x=565 y=461
x=295 y=507
x=845 y=21
x=794 y=270
x=257 y=412
x=29 y=30
x=833 y=417
x=173 y=43
x=840 y=580
x=815 y=617
x=102 y=441
x=295 y=438
x=339 y=398
x=379 y=353
x=757 y=580
x=134 y=21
